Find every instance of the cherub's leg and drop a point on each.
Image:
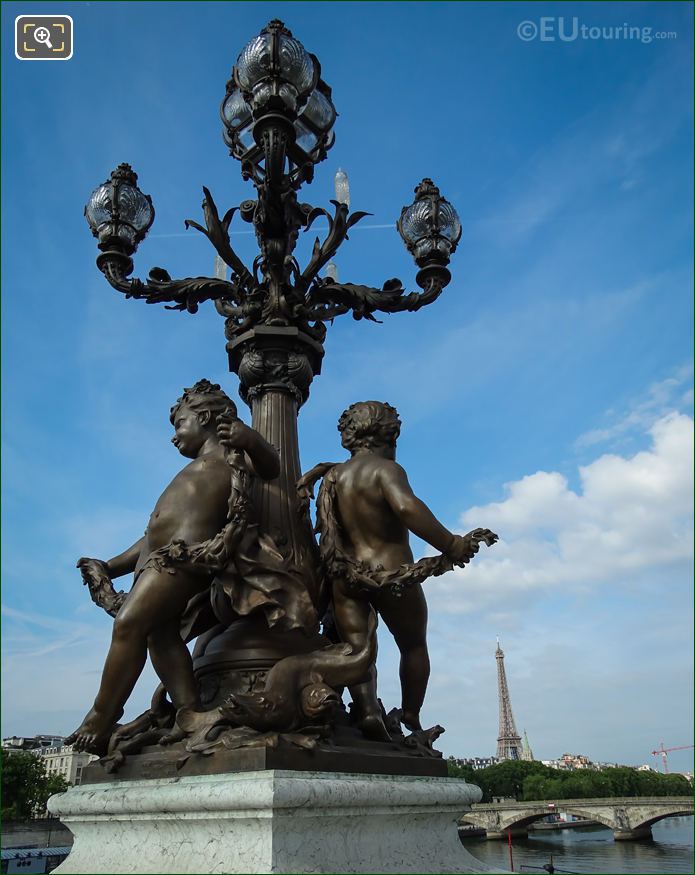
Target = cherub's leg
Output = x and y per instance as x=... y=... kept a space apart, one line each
x=352 y=621
x=157 y=598
x=406 y=618
x=172 y=662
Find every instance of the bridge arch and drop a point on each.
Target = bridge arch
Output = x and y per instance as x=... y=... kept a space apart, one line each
x=523 y=822
x=628 y=817
x=661 y=816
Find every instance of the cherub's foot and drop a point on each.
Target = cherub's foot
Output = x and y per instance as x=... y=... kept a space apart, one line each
x=176 y=734
x=411 y=720
x=372 y=727
x=93 y=734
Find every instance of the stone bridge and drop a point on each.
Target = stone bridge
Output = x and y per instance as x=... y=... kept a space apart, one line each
x=629 y=818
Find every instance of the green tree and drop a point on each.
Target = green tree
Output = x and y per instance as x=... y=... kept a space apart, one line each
x=26 y=785
x=624 y=781
x=531 y=781
x=676 y=785
x=456 y=769
x=507 y=778
x=534 y=787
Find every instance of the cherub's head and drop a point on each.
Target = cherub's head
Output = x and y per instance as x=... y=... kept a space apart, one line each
x=195 y=416
x=369 y=425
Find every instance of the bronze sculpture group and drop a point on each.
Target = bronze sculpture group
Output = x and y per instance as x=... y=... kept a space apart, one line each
x=365 y=510
x=282 y=624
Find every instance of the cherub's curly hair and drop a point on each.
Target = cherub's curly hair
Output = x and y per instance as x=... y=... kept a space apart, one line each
x=205 y=395
x=369 y=424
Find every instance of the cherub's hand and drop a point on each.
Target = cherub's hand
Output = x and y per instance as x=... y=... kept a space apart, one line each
x=234 y=434
x=464 y=547
x=305 y=485
x=92 y=569
x=485 y=535
x=305 y=492
x=95 y=575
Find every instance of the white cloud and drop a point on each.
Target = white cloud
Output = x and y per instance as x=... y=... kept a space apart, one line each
x=589 y=589
x=629 y=515
x=661 y=397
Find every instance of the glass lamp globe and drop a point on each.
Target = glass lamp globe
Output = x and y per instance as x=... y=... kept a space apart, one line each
x=118 y=212
x=273 y=64
x=316 y=120
x=430 y=227
x=238 y=120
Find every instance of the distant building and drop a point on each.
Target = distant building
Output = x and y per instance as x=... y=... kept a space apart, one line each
x=571 y=762
x=475 y=762
x=526 y=752
x=63 y=760
x=36 y=743
x=577 y=761
x=59 y=759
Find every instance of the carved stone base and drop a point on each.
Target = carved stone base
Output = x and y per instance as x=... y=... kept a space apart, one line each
x=270 y=821
x=346 y=751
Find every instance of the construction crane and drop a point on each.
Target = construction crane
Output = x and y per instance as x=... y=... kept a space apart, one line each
x=663 y=752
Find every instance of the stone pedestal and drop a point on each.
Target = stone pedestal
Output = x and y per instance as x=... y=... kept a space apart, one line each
x=268 y=821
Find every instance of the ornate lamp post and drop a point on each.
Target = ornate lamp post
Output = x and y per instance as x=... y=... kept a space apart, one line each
x=278 y=117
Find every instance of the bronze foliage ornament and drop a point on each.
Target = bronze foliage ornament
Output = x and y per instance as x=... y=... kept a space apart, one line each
x=282 y=625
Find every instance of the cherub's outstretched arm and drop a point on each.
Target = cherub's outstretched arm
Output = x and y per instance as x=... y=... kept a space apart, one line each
x=126 y=561
x=420 y=520
x=412 y=512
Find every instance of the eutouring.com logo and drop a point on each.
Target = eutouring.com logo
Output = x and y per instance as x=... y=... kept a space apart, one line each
x=550 y=29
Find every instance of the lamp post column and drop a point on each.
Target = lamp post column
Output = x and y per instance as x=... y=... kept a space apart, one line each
x=276 y=365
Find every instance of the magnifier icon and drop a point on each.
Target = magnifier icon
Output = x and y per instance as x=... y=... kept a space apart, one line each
x=42 y=35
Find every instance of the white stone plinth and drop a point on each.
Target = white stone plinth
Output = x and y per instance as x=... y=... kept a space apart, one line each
x=269 y=821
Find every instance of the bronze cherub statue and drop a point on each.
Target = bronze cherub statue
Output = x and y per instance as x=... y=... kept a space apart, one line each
x=365 y=509
x=192 y=532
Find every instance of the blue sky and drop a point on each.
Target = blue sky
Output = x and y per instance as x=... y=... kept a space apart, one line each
x=547 y=394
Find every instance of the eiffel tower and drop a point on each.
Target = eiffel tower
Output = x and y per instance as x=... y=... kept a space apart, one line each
x=509 y=741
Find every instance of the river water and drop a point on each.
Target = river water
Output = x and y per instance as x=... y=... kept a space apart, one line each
x=593 y=850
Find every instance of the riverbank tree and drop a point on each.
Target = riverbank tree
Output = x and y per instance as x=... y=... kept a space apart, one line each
x=26 y=785
x=530 y=780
